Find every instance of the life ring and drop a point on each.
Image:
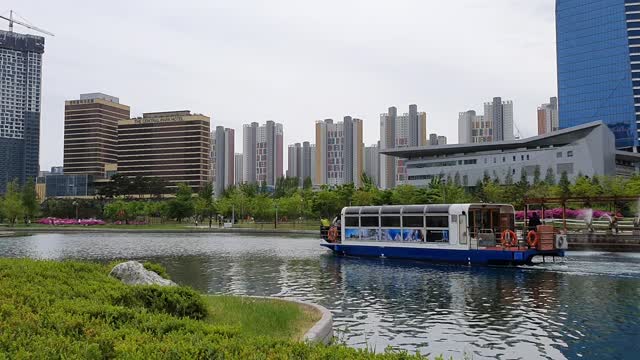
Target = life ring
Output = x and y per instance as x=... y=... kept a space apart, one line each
x=332 y=235
x=533 y=238
x=505 y=242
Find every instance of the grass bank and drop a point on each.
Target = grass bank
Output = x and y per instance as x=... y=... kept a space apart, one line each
x=71 y=309
x=270 y=227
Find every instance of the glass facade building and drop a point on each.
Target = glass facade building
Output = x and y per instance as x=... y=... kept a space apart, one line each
x=69 y=185
x=598 y=50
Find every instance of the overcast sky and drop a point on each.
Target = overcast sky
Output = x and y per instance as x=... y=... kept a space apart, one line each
x=295 y=61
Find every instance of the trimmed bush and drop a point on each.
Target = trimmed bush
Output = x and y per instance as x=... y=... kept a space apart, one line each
x=176 y=301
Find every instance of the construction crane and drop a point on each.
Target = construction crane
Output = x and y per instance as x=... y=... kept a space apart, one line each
x=11 y=21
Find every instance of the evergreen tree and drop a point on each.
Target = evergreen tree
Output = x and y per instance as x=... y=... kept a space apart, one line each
x=536 y=175
x=550 y=177
x=564 y=185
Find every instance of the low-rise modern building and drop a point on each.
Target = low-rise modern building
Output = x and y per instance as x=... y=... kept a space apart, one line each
x=174 y=146
x=587 y=149
x=70 y=186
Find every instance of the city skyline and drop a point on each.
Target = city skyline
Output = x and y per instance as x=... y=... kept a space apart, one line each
x=252 y=61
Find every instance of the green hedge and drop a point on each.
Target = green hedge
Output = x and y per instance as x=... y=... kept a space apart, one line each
x=69 y=310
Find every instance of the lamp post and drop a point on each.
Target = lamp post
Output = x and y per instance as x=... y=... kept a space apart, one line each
x=75 y=203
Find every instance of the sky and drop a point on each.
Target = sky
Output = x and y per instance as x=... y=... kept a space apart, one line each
x=294 y=61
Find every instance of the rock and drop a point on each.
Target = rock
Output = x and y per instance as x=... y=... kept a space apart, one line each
x=134 y=273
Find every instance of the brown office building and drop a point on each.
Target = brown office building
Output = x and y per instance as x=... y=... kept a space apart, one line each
x=91 y=133
x=173 y=145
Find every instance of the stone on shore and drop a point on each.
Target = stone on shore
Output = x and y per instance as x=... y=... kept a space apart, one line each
x=134 y=273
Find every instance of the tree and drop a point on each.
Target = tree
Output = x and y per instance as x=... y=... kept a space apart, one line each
x=12 y=203
x=536 y=175
x=307 y=184
x=363 y=198
x=182 y=206
x=550 y=177
x=327 y=204
x=29 y=201
x=404 y=195
x=564 y=186
x=205 y=207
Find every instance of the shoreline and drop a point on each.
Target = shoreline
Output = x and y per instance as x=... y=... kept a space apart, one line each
x=578 y=242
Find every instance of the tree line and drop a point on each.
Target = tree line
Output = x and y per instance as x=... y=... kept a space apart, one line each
x=294 y=203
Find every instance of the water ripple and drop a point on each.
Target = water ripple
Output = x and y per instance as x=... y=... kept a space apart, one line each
x=585 y=306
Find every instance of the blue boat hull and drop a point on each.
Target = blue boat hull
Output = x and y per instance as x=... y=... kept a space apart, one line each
x=467 y=257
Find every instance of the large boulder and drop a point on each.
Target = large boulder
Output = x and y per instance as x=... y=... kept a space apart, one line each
x=134 y=273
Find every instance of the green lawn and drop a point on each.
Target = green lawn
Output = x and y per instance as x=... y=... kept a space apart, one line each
x=256 y=317
x=74 y=310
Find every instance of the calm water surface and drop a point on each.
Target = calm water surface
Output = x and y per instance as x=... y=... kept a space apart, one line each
x=587 y=306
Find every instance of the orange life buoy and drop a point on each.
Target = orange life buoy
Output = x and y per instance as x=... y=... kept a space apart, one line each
x=505 y=241
x=533 y=238
x=333 y=234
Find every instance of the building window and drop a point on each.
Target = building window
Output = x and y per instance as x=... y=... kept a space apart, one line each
x=569 y=153
x=559 y=155
x=514 y=158
x=504 y=159
x=527 y=157
x=522 y=157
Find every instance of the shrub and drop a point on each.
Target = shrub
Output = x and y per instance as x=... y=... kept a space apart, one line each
x=176 y=301
x=156 y=268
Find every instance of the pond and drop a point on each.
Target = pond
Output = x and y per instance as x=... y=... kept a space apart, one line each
x=586 y=306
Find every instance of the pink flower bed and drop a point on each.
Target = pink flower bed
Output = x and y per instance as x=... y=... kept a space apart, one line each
x=62 y=222
x=557 y=214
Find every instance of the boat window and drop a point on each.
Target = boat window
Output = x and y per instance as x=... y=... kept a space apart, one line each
x=352 y=221
x=437 y=221
x=437 y=236
x=413 y=221
x=391 y=221
x=369 y=221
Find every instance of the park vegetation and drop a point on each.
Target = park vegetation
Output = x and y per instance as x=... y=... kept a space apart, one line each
x=74 y=310
x=129 y=203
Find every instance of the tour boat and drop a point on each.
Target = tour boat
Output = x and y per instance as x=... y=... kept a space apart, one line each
x=472 y=234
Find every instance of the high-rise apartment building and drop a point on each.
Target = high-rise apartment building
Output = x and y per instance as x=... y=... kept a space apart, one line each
x=222 y=159
x=91 y=133
x=339 y=152
x=21 y=78
x=239 y=169
x=263 y=153
x=598 y=51
x=398 y=131
x=173 y=145
x=299 y=160
x=548 y=117
x=435 y=139
x=500 y=114
x=495 y=125
x=372 y=163
x=474 y=128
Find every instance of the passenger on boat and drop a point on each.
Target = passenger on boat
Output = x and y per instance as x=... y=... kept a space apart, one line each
x=534 y=222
